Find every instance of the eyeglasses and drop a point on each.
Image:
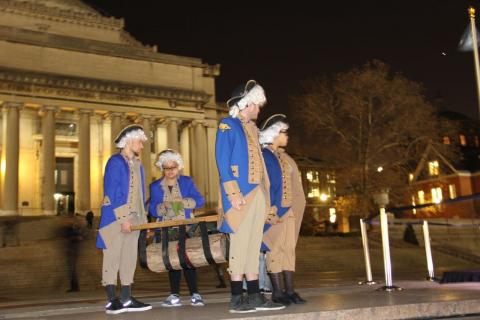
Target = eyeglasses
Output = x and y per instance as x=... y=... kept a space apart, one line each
x=169 y=168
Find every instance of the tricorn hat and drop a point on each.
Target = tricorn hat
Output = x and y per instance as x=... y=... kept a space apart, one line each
x=132 y=130
x=251 y=92
x=271 y=128
x=272 y=120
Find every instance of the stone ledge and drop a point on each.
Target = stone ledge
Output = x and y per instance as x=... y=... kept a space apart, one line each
x=420 y=300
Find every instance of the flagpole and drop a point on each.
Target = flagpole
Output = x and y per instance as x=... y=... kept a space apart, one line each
x=471 y=13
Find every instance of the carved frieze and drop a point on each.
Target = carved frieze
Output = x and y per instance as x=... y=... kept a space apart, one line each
x=38 y=83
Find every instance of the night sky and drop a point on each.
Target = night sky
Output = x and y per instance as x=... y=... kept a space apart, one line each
x=281 y=46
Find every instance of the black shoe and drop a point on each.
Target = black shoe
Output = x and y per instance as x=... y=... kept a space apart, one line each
x=114 y=306
x=283 y=299
x=260 y=303
x=133 y=305
x=238 y=304
x=295 y=298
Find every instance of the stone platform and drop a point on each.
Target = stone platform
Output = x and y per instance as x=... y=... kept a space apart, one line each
x=419 y=300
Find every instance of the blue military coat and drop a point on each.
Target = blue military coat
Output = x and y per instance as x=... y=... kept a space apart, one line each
x=187 y=189
x=235 y=159
x=275 y=175
x=115 y=190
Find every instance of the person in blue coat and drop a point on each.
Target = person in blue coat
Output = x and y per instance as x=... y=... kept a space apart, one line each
x=123 y=207
x=288 y=201
x=244 y=202
x=173 y=197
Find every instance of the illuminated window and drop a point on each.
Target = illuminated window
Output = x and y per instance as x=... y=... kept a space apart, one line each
x=410 y=177
x=414 y=204
x=463 y=139
x=314 y=192
x=437 y=195
x=433 y=168
x=312 y=176
x=333 y=215
x=65 y=128
x=421 y=197
x=309 y=175
x=446 y=140
x=452 y=191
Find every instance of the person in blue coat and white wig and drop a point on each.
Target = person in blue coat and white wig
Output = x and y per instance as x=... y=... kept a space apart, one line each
x=173 y=197
x=287 y=206
x=244 y=200
x=123 y=207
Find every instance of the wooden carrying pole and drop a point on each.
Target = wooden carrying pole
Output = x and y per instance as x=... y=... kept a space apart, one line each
x=174 y=223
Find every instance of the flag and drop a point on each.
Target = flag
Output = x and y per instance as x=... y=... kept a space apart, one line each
x=466 y=41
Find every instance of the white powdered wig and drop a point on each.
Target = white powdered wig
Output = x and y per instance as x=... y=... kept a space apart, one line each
x=134 y=134
x=168 y=156
x=269 y=134
x=256 y=95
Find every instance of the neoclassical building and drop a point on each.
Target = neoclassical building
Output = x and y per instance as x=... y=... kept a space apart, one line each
x=70 y=79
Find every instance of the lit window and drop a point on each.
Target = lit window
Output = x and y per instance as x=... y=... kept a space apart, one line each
x=410 y=177
x=446 y=140
x=414 y=204
x=452 y=191
x=314 y=192
x=309 y=175
x=65 y=128
x=437 y=195
x=421 y=197
x=433 y=168
x=333 y=215
x=463 y=140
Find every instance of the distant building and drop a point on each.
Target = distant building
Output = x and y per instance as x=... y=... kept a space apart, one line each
x=319 y=186
x=437 y=181
x=70 y=79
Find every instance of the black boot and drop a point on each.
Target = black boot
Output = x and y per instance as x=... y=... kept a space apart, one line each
x=294 y=297
x=277 y=293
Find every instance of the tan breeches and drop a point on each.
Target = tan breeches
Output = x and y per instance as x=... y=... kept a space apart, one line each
x=282 y=254
x=246 y=241
x=120 y=258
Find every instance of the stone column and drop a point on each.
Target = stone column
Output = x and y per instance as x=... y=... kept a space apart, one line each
x=145 y=121
x=116 y=126
x=199 y=159
x=172 y=133
x=12 y=150
x=48 y=165
x=83 y=193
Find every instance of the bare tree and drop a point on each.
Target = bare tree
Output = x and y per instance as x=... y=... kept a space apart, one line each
x=371 y=125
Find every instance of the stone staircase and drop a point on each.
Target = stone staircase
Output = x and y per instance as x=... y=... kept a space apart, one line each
x=42 y=262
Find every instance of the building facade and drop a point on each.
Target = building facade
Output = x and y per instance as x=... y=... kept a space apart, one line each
x=442 y=188
x=70 y=79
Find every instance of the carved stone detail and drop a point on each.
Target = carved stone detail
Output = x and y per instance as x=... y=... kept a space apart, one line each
x=39 y=83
